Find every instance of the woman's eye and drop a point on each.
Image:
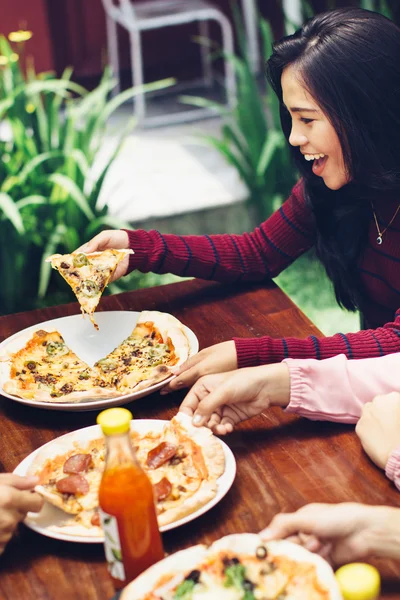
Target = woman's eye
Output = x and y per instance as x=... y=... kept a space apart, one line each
x=306 y=121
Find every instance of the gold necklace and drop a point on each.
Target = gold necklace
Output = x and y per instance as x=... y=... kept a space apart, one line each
x=379 y=239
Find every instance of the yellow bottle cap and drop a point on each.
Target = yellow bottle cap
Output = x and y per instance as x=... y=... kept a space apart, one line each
x=114 y=420
x=358 y=581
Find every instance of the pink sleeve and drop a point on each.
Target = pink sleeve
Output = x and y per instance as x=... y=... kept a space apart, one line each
x=393 y=467
x=335 y=389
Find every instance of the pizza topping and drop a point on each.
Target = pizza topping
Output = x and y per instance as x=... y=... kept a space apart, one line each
x=78 y=463
x=67 y=388
x=79 y=260
x=73 y=484
x=89 y=288
x=162 y=489
x=261 y=552
x=160 y=455
x=56 y=349
x=106 y=365
x=95 y=520
x=31 y=365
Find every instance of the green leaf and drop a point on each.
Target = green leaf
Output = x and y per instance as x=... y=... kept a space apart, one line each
x=54 y=241
x=107 y=221
x=274 y=142
x=72 y=190
x=234 y=576
x=117 y=554
x=34 y=200
x=11 y=212
x=36 y=162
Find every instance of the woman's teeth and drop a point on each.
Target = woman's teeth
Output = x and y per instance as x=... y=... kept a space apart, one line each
x=313 y=156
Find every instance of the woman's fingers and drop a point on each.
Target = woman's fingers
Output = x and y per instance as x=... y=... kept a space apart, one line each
x=18 y=482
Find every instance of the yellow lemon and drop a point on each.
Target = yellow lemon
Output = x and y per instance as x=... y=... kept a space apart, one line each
x=358 y=581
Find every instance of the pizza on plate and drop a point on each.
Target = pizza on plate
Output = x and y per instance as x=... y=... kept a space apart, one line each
x=183 y=463
x=88 y=274
x=45 y=369
x=237 y=567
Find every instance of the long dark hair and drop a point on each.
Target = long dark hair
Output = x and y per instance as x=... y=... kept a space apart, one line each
x=349 y=61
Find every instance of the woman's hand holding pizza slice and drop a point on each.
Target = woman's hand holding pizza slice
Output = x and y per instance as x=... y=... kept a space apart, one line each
x=117 y=239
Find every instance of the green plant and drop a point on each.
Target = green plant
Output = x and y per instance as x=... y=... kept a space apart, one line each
x=50 y=175
x=251 y=137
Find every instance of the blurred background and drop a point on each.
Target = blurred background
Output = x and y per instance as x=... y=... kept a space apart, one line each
x=150 y=114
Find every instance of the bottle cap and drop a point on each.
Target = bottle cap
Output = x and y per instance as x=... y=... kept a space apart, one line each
x=358 y=581
x=114 y=420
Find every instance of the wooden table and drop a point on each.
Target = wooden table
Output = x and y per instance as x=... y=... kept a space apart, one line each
x=283 y=461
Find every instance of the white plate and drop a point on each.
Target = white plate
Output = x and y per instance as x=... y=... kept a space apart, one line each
x=90 y=345
x=51 y=516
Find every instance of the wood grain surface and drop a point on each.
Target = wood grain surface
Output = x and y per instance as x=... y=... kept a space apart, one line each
x=283 y=461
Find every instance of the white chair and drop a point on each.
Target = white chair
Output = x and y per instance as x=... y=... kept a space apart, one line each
x=140 y=16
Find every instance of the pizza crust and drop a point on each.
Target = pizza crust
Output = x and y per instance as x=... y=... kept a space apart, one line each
x=96 y=393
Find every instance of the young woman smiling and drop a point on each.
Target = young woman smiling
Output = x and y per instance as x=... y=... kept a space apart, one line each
x=338 y=81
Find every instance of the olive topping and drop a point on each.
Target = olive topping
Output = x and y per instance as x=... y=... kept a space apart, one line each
x=106 y=365
x=84 y=375
x=80 y=260
x=64 y=265
x=193 y=576
x=56 y=349
x=90 y=288
x=261 y=552
x=229 y=562
x=31 y=365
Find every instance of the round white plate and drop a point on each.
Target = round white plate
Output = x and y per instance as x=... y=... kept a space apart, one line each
x=90 y=345
x=51 y=517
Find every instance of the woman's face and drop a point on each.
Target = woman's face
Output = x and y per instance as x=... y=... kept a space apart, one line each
x=312 y=132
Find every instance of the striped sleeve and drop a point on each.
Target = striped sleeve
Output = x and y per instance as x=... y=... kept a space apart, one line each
x=368 y=343
x=250 y=257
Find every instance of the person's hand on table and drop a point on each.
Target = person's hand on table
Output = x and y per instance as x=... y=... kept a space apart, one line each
x=111 y=238
x=341 y=533
x=214 y=359
x=221 y=401
x=16 y=500
x=379 y=427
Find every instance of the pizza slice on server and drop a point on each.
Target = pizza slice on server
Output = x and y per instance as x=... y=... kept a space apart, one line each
x=88 y=274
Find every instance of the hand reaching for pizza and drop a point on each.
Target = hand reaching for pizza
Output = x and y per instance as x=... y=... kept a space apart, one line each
x=341 y=532
x=379 y=427
x=16 y=500
x=219 y=358
x=223 y=400
x=111 y=238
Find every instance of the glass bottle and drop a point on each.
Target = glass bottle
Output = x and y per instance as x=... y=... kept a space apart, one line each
x=132 y=540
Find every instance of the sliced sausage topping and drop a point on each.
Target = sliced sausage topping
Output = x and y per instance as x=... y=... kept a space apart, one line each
x=78 y=463
x=162 y=489
x=73 y=484
x=95 y=520
x=160 y=455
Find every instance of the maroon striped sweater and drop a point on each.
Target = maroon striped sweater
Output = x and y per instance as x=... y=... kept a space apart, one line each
x=263 y=254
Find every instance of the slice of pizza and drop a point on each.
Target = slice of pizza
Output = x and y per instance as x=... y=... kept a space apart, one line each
x=88 y=274
x=45 y=369
x=183 y=463
x=157 y=343
x=237 y=567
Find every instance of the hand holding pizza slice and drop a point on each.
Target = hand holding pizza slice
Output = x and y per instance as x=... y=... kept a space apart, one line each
x=88 y=274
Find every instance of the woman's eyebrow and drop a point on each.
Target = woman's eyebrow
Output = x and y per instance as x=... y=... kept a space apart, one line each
x=299 y=109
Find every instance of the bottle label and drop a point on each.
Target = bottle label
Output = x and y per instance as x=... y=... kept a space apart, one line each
x=112 y=545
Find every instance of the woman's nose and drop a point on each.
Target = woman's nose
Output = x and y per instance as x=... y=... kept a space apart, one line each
x=297 y=139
